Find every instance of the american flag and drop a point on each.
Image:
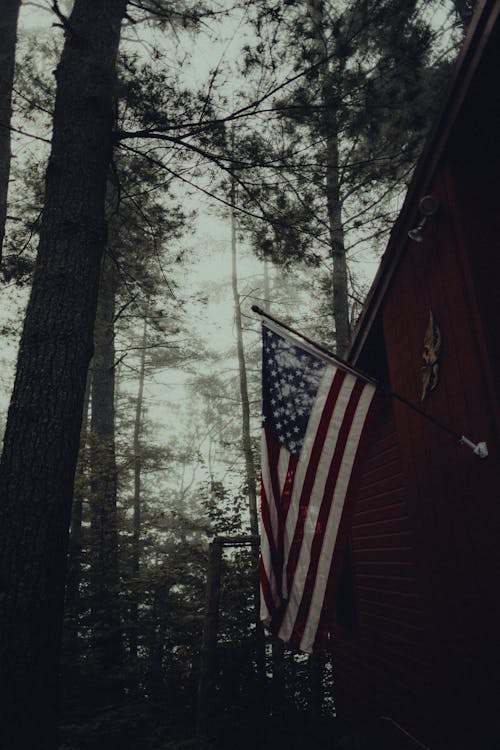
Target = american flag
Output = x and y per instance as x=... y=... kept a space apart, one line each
x=314 y=417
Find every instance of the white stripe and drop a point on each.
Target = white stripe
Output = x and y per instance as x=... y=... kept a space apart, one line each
x=300 y=472
x=334 y=518
x=317 y=492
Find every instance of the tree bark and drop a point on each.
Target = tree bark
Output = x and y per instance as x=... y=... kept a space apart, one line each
x=340 y=300
x=8 y=32
x=104 y=572
x=43 y=427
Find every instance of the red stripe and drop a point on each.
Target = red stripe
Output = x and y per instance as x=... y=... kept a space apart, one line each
x=276 y=556
x=266 y=517
x=326 y=621
x=286 y=495
x=266 y=589
x=324 y=513
x=284 y=504
x=305 y=496
x=275 y=528
x=273 y=454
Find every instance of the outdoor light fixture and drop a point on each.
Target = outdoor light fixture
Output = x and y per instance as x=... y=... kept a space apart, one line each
x=428 y=206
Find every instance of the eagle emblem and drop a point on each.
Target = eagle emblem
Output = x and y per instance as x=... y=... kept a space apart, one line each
x=430 y=355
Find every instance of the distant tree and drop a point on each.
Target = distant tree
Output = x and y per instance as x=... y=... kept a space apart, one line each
x=138 y=500
x=247 y=445
x=73 y=601
x=344 y=134
x=8 y=29
x=105 y=619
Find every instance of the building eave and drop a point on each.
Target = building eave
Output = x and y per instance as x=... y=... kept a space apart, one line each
x=482 y=24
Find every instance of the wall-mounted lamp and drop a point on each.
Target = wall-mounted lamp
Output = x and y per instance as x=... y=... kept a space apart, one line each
x=428 y=206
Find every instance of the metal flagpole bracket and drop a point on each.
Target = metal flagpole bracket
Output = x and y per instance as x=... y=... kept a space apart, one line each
x=480 y=449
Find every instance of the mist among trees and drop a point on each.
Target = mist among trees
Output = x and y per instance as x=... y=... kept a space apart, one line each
x=163 y=166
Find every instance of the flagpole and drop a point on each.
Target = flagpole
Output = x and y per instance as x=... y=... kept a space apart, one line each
x=479 y=449
x=317 y=346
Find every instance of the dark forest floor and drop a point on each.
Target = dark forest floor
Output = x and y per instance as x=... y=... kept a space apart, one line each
x=300 y=733
x=131 y=727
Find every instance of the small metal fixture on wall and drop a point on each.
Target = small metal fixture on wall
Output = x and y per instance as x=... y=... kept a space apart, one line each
x=430 y=355
x=427 y=206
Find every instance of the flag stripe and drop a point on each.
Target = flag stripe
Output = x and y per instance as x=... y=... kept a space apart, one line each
x=330 y=444
x=341 y=472
x=269 y=601
x=272 y=501
x=314 y=414
x=323 y=516
x=316 y=490
x=337 y=557
x=311 y=476
x=271 y=455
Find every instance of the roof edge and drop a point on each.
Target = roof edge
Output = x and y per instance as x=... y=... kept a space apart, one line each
x=482 y=23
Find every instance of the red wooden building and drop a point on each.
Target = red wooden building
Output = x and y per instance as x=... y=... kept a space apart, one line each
x=423 y=645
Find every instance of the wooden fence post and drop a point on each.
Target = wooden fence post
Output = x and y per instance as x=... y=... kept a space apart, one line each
x=209 y=643
x=208 y=665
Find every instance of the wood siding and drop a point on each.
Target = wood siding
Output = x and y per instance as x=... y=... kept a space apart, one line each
x=386 y=647
x=454 y=494
x=426 y=528
x=425 y=534
x=426 y=525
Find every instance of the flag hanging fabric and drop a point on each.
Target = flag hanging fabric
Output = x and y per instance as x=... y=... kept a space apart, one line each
x=314 y=423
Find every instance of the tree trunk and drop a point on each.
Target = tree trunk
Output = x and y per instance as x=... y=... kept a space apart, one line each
x=247 y=447
x=245 y=403
x=8 y=30
x=43 y=426
x=104 y=573
x=206 y=685
x=267 y=287
x=136 y=533
x=340 y=302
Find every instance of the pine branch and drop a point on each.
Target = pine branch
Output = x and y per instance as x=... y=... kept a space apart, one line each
x=23 y=132
x=265 y=217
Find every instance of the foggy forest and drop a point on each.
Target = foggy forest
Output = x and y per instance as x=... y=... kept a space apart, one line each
x=164 y=166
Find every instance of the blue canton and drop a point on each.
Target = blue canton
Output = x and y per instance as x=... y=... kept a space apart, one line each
x=291 y=378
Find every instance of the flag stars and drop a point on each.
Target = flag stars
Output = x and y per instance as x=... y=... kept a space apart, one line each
x=291 y=380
